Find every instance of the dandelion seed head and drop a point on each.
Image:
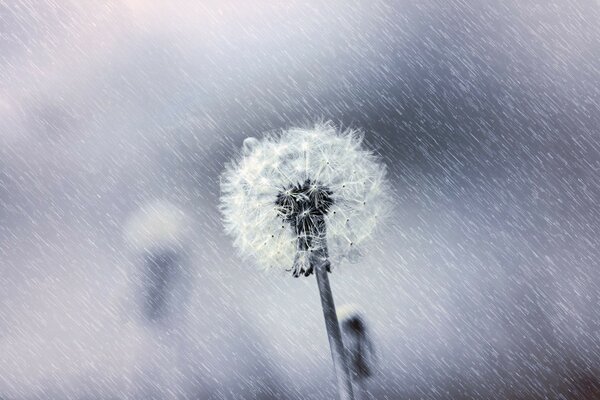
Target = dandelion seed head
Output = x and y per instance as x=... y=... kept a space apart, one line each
x=157 y=226
x=290 y=192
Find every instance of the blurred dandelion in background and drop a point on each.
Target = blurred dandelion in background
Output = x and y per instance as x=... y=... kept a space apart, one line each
x=360 y=351
x=302 y=199
x=158 y=234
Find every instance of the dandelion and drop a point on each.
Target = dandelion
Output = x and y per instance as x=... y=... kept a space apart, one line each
x=301 y=201
x=157 y=233
x=360 y=352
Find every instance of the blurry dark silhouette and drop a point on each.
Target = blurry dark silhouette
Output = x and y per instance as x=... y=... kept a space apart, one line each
x=158 y=234
x=360 y=351
x=361 y=348
x=162 y=268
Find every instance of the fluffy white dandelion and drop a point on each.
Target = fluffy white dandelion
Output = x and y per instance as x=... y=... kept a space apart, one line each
x=320 y=182
x=302 y=199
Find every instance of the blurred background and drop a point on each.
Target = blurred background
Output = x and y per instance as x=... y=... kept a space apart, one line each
x=484 y=285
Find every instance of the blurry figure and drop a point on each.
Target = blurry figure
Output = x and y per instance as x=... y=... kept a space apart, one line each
x=359 y=348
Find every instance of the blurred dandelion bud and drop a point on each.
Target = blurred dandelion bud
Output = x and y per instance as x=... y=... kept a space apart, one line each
x=299 y=201
x=157 y=233
x=359 y=347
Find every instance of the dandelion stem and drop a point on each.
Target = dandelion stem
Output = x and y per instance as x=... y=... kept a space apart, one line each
x=334 y=334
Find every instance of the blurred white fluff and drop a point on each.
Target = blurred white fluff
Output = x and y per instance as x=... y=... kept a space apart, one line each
x=323 y=154
x=349 y=312
x=158 y=225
